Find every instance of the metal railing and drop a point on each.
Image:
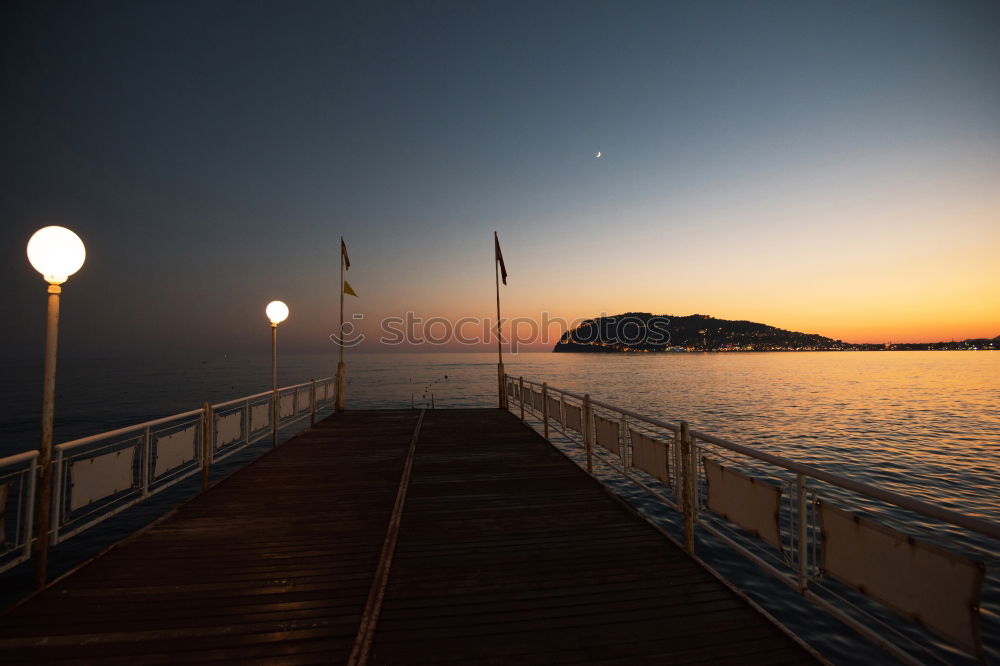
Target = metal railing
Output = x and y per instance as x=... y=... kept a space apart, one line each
x=810 y=529
x=99 y=476
x=18 y=474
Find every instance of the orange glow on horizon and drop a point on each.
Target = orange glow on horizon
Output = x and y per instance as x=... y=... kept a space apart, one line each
x=906 y=265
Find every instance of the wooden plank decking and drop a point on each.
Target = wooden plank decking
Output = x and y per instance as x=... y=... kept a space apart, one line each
x=507 y=552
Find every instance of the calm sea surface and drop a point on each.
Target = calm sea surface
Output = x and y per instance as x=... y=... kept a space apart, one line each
x=926 y=424
x=923 y=423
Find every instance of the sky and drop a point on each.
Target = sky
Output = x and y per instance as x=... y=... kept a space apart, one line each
x=825 y=167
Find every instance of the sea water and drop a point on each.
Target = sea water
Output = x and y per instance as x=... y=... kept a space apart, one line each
x=925 y=424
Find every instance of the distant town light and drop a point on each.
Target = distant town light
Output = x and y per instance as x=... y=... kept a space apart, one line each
x=277 y=312
x=56 y=253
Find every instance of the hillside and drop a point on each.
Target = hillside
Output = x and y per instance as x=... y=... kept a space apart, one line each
x=645 y=332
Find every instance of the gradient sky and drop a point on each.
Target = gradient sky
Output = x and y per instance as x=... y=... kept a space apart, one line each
x=828 y=167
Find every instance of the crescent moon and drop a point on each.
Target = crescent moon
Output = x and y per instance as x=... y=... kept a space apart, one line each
x=598 y=155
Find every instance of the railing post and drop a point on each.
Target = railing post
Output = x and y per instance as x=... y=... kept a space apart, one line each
x=545 y=408
x=677 y=483
x=623 y=445
x=206 y=443
x=688 y=487
x=147 y=450
x=312 y=402
x=274 y=418
x=58 y=497
x=341 y=381
x=432 y=400
x=502 y=379
x=247 y=424
x=29 y=515
x=520 y=395
x=588 y=432
x=803 y=540
x=682 y=469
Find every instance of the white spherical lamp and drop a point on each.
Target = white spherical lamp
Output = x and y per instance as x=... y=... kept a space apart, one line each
x=277 y=312
x=56 y=253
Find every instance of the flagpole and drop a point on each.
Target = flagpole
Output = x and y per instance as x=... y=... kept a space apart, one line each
x=500 y=372
x=340 y=337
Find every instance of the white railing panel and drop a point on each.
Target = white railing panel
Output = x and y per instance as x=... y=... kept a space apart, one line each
x=228 y=428
x=574 y=418
x=935 y=588
x=607 y=431
x=286 y=406
x=102 y=476
x=174 y=450
x=4 y=491
x=554 y=409
x=98 y=476
x=17 y=479
x=748 y=502
x=651 y=455
x=260 y=416
x=786 y=539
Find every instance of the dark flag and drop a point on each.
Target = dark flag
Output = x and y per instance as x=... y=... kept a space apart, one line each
x=503 y=269
x=343 y=252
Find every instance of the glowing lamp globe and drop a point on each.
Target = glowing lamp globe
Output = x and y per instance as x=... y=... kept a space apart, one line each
x=277 y=312
x=56 y=253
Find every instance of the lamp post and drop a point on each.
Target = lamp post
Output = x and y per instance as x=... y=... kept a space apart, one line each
x=277 y=312
x=56 y=253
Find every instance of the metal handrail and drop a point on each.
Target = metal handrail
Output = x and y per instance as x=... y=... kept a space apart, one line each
x=628 y=412
x=73 y=443
x=19 y=548
x=234 y=401
x=140 y=439
x=687 y=488
x=295 y=386
x=18 y=457
x=972 y=523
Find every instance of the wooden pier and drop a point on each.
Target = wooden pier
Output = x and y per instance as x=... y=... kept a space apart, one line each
x=387 y=537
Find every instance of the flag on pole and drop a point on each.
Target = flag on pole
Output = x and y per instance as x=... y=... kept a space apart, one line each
x=343 y=253
x=348 y=289
x=499 y=258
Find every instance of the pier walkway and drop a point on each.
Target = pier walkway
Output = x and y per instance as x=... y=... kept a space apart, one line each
x=503 y=551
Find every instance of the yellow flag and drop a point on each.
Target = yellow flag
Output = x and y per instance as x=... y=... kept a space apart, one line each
x=348 y=290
